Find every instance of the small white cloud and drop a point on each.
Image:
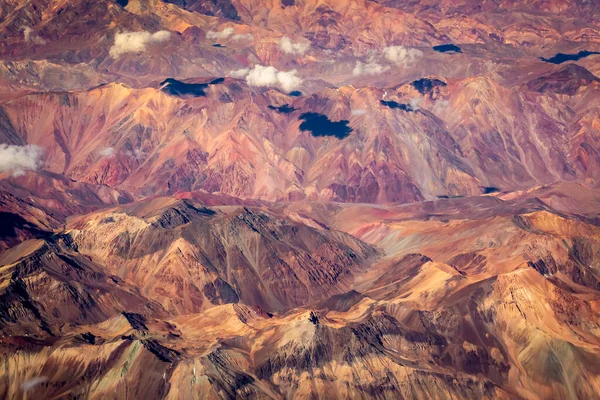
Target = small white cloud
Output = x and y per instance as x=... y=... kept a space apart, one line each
x=401 y=55
x=107 y=152
x=228 y=33
x=271 y=77
x=415 y=103
x=28 y=33
x=243 y=37
x=32 y=383
x=290 y=47
x=31 y=36
x=224 y=34
x=134 y=42
x=370 y=68
x=137 y=153
x=240 y=73
x=18 y=159
x=440 y=106
x=359 y=112
x=376 y=63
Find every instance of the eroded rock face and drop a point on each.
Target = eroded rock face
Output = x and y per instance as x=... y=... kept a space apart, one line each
x=221 y=8
x=398 y=151
x=224 y=138
x=244 y=256
x=569 y=80
x=207 y=299
x=403 y=203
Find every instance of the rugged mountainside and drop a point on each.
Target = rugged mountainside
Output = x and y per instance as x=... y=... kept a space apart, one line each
x=471 y=297
x=230 y=141
x=206 y=199
x=501 y=116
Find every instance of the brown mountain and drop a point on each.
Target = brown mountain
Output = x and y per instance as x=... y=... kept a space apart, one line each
x=489 y=294
x=299 y=199
x=568 y=80
x=147 y=141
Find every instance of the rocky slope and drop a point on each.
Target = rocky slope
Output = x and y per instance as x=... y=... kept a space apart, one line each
x=228 y=140
x=299 y=199
x=470 y=297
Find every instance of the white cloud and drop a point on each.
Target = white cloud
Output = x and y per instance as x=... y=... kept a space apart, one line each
x=31 y=36
x=270 y=76
x=18 y=159
x=28 y=33
x=370 y=68
x=228 y=33
x=243 y=37
x=290 y=47
x=240 y=73
x=137 y=153
x=440 y=106
x=401 y=55
x=359 y=112
x=376 y=63
x=32 y=383
x=415 y=103
x=133 y=42
x=224 y=34
x=107 y=152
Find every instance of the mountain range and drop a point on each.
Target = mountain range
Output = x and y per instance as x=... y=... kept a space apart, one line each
x=206 y=199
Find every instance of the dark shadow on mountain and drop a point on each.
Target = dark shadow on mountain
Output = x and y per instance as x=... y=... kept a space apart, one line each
x=341 y=302
x=490 y=189
x=12 y=224
x=426 y=85
x=177 y=88
x=218 y=45
x=122 y=3
x=319 y=125
x=295 y=93
x=394 y=105
x=284 y=109
x=447 y=48
x=562 y=57
x=137 y=321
